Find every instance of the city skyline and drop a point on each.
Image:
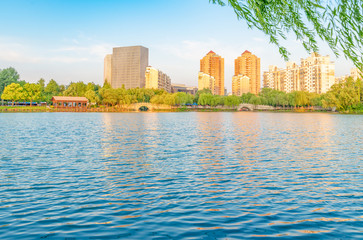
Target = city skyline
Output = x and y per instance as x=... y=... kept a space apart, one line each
x=67 y=41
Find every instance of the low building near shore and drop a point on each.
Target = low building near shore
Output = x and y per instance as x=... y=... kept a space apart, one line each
x=69 y=102
x=175 y=88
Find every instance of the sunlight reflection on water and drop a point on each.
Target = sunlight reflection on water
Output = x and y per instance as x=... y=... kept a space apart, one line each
x=180 y=175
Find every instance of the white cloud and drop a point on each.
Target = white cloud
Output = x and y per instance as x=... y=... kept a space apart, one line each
x=97 y=50
x=14 y=51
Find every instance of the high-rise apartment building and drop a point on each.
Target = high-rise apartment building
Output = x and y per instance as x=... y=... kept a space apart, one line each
x=248 y=65
x=315 y=74
x=107 y=74
x=240 y=85
x=157 y=79
x=213 y=65
x=128 y=66
x=205 y=81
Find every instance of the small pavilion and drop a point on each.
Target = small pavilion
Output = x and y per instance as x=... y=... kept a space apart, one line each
x=69 y=102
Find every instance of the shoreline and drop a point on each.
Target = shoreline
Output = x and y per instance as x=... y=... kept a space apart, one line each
x=116 y=110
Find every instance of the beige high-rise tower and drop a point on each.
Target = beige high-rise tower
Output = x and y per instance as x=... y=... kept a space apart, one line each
x=156 y=79
x=213 y=65
x=107 y=73
x=316 y=74
x=126 y=66
x=249 y=65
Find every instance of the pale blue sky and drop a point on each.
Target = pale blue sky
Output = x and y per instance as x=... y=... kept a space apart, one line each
x=67 y=40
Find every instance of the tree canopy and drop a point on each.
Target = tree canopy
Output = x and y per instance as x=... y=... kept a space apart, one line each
x=336 y=22
x=13 y=92
x=8 y=76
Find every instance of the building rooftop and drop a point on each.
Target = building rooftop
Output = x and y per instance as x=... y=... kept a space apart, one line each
x=69 y=99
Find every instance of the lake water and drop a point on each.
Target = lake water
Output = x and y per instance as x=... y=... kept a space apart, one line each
x=244 y=175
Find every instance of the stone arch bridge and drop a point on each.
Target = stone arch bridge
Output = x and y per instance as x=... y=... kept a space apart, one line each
x=150 y=106
x=252 y=107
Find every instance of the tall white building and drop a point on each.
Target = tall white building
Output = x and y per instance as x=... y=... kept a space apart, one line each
x=206 y=81
x=156 y=79
x=315 y=74
x=241 y=84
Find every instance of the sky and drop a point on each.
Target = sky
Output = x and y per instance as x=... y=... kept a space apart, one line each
x=67 y=40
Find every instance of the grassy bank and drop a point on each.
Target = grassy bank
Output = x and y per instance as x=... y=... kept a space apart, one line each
x=25 y=108
x=180 y=109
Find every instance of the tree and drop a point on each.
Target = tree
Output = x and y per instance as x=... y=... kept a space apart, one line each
x=110 y=96
x=32 y=92
x=291 y=99
x=92 y=96
x=301 y=98
x=168 y=99
x=52 y=88
x=8 y=76
x=199 y=92
x=205 y=99
x=182 y=98
x=345 y=96
x=256 y=100
x=157 y=99
x=77 y=89
x=41 y=82
x=232 y=100
x=13 y=92
x=245 y=98
x=338 y=23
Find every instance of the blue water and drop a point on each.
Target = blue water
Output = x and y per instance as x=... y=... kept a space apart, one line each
x=181 y=176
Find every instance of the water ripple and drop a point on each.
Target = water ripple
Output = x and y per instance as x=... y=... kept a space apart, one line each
x=180 y=176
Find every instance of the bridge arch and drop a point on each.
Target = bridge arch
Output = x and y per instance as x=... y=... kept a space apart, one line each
x=246 y=107
x=143 y=108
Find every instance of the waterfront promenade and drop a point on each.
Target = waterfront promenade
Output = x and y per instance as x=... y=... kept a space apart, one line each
x=139 y=107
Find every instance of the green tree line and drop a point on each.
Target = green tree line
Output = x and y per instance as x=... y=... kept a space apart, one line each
x=345 y=97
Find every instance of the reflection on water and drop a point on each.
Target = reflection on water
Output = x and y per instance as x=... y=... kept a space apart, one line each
x=180 y=175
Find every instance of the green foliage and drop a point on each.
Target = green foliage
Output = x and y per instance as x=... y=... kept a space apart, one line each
x=301 y=98
x=32 y=92
x=345 y=96
x=275 y=98
x=92 y=96
x=8 y=76
x=199 y=92
x=338 y=23
x=77 y=89
x=13 y=92
x=205 y=99
x=246 y=97
x=110 y=96
x=182 y=98
x=41 y=83
x=210 y=100
x=143 y=94
x=52 y=88
x=232 y=100
x=256 y=100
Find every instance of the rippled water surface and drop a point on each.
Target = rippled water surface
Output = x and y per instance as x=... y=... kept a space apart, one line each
x=181 y=176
